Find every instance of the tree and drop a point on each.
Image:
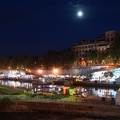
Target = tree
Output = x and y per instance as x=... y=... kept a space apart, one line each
x=103 y=55
x=64 y=59
x=50 y=59
x=115 y=51
x=67 y=58
x=90 y=56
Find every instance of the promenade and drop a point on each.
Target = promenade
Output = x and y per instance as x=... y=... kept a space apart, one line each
x=90 y=107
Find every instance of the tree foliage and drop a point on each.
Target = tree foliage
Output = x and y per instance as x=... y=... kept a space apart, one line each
x=91 y=56
x=63 y=59
x=115 y=51
x=52 y=58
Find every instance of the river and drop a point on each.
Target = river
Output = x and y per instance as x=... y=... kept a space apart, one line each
x=100 y=92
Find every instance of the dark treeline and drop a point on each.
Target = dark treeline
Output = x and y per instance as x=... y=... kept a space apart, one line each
x=52 y=58
x=63 y=59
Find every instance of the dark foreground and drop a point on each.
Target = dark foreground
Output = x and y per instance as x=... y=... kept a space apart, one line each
x=49 y=116
x=20 y=110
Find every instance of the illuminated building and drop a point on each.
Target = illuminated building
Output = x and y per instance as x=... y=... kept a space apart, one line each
x=101 y=44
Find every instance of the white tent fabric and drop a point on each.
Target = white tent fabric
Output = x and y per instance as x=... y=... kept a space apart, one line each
x=117 y=98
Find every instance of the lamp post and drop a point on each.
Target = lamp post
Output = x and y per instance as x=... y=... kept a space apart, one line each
x=55 y=71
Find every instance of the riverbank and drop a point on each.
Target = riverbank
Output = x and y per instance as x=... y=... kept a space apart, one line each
x=90 y=107
x=78 y=108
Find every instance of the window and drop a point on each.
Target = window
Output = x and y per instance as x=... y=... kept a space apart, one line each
x=107 y=39
x=111 y=38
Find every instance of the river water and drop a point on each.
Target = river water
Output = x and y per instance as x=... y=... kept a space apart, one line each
x=100 y=92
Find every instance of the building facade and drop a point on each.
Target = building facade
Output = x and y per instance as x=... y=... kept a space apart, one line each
x=101 y=44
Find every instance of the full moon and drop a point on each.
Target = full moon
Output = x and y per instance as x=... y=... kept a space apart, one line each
x=80 y=13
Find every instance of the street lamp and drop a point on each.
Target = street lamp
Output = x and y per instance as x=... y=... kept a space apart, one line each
x=55 y=71
x=40 y=71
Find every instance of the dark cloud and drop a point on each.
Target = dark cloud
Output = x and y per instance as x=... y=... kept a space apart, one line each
x=76 y=4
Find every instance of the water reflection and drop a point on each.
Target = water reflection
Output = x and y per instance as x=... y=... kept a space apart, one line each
x=100 y=92
x=108 y=93
x=16 y=84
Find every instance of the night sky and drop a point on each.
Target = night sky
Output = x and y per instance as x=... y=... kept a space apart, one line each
x=32 y=27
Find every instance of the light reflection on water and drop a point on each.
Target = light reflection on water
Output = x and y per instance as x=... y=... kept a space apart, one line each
x=15 y=84
x=100 y=92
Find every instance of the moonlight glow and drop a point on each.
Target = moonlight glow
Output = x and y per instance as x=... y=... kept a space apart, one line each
x=80 y=13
